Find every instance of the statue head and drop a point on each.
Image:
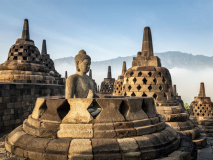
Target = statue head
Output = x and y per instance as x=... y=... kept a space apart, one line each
x=82 y=62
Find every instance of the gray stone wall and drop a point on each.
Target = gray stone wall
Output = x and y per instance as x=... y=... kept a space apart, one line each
x=17 y=101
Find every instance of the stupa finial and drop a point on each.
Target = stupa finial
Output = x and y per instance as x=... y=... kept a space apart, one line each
x=25 y=32
x=124 y=68
x=174 y=90
x=202 y=90
x=90 y=73
x=147 y=49
x=109 y=75
x=44 y=47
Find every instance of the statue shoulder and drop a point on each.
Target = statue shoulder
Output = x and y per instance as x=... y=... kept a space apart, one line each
x=73 y=78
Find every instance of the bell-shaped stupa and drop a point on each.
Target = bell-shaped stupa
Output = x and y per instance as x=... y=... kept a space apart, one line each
x=108 y=83
x=124 y=128
x=48 y=62
x=24 y=63
x=117 y=90
x=202 y=111
x=146 y=78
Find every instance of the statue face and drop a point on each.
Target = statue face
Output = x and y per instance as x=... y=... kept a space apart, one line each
x=84 y=66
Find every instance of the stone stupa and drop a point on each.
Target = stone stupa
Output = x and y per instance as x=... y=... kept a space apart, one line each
x=202 y=111
x=125 y=128
x=117 y=90
x=48 y=62
x=147 y=78
x=90 y=75
x=24 y=64
x=108 y=83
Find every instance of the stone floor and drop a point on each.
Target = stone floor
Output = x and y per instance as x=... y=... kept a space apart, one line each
x=203 y=154
x=207 y=152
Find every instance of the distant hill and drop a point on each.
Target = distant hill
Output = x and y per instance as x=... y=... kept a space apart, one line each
x=169 y=60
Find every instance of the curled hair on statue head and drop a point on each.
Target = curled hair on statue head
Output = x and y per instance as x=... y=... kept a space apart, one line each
x=80 y=57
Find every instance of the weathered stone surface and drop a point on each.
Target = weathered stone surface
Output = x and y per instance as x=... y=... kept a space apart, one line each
x=149 y=107
x=104 y=130
x=39 y=108
x=75 y=131
x=105 y=149
x=78 y=114
x=38 y=145
x=132 y=109
x=80 y=149
x=51 y=113
x=58 y=146
x=109 y=107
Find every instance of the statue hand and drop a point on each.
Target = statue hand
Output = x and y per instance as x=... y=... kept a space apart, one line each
x=90 y=94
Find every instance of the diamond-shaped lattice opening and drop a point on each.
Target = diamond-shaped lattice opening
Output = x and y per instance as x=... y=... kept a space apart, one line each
x=197 y=114
x=154 y=96
x=123 y=87
x=159 y=74
x=160 y=87
x=127 y=80
x=129 y=87
x=150 y=74
x=139 y=74
x=144 y=95
x=63 y=109
x=125 y=94
x=155 y=80
x=133 y=94
x=134 y=80
x=150 y=87
x=131 y=74
x=138 y=87
x=94 y=109
x=144 y=81
x=203 y=114
x=195 y=110
x=163 y=80
x=202 y=107
x=200 y=110
x=198 y=107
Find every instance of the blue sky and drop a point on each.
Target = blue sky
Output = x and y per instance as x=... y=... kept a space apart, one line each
x=109 y=28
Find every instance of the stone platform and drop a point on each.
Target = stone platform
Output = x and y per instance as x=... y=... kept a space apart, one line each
x=126 y=128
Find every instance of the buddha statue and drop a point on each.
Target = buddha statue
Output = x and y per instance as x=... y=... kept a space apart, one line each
x=79 y=85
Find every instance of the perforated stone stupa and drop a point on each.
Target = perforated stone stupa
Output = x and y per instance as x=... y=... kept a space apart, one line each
x=48 y=62
x=124 y=128
x=24 y=64
x=117 y=90
x=108 y=83
x=202 y=109
x=146 y=78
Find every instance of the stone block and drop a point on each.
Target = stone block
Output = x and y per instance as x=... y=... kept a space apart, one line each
x=38 y=145
x=129 y=132
x=80 y=149
x=145 y=130
x=53 y=105
x=109 y=107
x=149 y=107
x=139 y=123
x=36 y=155
x=107 y=146
x=131 y=109
x=48 y=156
x=128 y=144
x=123 y=125
x=40 y=107
x=104 y=130
x=75 y=131
x=78 y=111
x=58 y=146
